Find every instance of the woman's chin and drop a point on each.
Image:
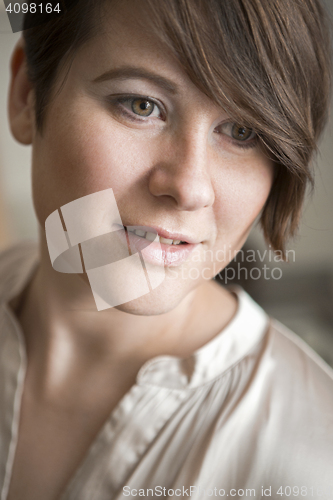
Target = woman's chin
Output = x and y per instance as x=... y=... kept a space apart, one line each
x=156 y=302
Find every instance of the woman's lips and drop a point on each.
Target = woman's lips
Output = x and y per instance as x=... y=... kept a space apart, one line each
x=155 y=252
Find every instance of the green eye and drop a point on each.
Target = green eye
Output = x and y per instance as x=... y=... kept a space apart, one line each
x=142 y=107
x=241 y=133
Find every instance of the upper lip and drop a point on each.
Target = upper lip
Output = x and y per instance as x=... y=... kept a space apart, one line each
x=164 y=233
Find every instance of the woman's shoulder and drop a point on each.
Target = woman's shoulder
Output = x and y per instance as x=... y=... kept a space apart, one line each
x=296 y=359
x=17 y=263
x=286 y=352
x=278 y=371
x=277 y=404
x=297 y=401
x=297 y=392
x=295 y=376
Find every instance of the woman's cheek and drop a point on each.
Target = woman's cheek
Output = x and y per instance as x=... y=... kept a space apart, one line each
x=243 y=193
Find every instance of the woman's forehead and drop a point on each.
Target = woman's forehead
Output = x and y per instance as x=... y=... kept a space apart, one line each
x=124 y=49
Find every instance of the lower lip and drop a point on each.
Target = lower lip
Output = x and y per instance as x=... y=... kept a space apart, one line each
x=158 y=253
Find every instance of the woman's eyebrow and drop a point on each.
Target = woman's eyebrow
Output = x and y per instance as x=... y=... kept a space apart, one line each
x=133 y=72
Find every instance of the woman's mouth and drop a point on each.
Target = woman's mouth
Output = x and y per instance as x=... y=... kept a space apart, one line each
x=155 y=248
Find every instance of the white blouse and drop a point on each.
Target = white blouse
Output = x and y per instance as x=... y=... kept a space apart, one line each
x=250 y=414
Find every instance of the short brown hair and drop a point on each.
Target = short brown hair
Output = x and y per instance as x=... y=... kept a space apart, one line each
x=266 y=62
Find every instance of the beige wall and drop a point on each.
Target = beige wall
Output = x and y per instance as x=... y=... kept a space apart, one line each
x=5 y=237
x=313 y=246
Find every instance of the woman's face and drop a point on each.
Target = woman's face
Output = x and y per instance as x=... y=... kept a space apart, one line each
x=130 y=119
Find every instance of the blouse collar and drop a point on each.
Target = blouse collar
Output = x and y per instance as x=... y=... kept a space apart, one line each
x=212 y=360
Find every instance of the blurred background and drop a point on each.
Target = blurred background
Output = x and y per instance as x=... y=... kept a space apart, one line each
x=298 y=293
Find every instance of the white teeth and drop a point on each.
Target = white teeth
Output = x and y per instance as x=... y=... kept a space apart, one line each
x=151 y=236
x=165 y=240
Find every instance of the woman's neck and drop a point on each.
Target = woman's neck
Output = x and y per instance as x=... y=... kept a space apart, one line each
x=63 y=330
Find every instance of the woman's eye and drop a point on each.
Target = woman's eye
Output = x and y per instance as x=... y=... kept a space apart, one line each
x=238 y=132
x=141 y=107
x=241 y=133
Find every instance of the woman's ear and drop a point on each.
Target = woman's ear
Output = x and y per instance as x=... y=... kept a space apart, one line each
x=21 y=97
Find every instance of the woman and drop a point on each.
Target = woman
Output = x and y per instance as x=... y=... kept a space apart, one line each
x=199 y=117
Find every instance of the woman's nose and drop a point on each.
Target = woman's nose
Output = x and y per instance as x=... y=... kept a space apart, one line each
x=183 y=173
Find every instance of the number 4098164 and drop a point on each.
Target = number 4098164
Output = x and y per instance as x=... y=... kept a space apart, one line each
x=33 y=8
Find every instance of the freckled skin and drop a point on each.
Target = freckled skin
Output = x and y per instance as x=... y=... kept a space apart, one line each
x=177 y=173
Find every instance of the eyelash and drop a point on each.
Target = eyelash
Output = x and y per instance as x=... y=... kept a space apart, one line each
x=121 y=99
